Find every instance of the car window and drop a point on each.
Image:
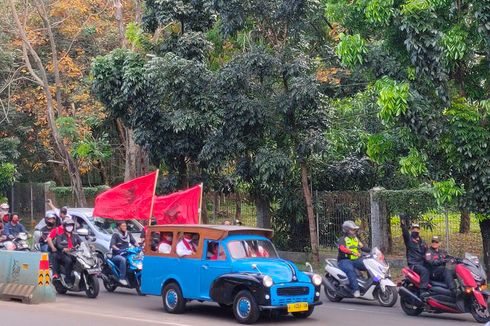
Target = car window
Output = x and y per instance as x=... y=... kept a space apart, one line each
x=161 y=242
x=252 y=249
x=215 y=251
x=108 y=225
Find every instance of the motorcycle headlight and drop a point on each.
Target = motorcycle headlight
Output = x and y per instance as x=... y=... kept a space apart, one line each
x=267 y=281
x=316 y=279
x=139 y=265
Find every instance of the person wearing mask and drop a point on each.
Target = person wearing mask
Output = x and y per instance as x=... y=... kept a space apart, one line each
x=349 y=255
x=4 y=213
x=50 y=221
x=416 y=248
x=120 y=241
x=436 y=259
x=14 y=227
x=63 y=244
x=165 y=245
x=186 y=247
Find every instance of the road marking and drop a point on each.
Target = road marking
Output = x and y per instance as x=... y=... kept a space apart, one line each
x=360 y=310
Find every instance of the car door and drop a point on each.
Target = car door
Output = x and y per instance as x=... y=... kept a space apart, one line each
x=212 y=268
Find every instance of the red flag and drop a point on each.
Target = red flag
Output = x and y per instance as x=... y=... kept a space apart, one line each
x=178 y=208
x=128 y=200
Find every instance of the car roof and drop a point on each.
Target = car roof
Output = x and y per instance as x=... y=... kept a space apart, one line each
x=78 y=211
x=213 y=232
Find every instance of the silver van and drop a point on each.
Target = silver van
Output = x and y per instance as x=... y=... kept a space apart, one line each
x=99 y=229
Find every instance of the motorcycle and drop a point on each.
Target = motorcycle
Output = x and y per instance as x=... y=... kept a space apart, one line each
x=376 y=286
x=85 y=273
x=17 y=243
x=134 y=265
x=470 y=297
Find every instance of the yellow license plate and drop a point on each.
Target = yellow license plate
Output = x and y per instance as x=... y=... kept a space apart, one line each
x=298 y=306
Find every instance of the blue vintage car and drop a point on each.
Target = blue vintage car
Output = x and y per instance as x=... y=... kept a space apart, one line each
x=236 y=267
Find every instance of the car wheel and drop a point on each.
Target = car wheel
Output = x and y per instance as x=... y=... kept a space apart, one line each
x=245 y=308
x=303 y=314
x=173 y=301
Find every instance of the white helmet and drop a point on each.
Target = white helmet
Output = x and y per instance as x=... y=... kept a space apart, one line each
x=4 y=206
x=349 y=225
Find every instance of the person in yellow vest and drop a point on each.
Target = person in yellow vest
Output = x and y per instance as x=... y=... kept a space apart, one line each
x=349 y=258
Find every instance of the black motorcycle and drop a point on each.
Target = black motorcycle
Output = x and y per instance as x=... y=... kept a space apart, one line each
x=85 y=273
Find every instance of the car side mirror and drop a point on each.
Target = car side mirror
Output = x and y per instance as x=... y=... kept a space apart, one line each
x=82 y=232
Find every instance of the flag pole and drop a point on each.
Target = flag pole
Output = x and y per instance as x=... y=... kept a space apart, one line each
x=200 y=204
x=153 y=197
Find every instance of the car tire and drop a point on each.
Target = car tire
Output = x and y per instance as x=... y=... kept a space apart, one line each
x=245 y=308
x=173 y=301
x=303 y=314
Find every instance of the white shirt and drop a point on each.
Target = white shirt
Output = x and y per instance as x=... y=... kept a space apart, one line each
x=182 y=249
x=164 y=248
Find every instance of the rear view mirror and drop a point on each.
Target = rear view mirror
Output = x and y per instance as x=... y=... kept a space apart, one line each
x=82 y=232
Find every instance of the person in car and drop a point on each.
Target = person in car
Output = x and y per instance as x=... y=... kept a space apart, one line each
x=63 y=244
x=186 y=247
x=349 y=256
x=121 y=240
x=165 y=245
x=14 y=227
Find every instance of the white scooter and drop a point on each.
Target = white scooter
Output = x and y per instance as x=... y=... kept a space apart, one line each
x=377 y=286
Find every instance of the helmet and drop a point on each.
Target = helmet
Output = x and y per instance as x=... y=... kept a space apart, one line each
x=349 y=225
x=68 y=221
x=4 y=206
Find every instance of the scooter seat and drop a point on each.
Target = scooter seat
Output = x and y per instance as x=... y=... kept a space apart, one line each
x=438 y=284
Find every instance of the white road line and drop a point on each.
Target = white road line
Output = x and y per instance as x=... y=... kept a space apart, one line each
x=360 y=310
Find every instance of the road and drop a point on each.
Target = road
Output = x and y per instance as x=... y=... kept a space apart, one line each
x=124 y=307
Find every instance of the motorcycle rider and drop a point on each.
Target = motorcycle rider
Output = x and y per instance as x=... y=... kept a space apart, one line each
x=4 y=213
x=349 y=256
x=121 y=239
x=416 y=249
x=63 y=244
x=14 y=227
x=50 y=221
x=436 y=259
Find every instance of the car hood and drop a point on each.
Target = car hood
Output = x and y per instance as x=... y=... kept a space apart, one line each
x=280 y=270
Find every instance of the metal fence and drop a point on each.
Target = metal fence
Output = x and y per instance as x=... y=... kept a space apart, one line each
x=27 y=200
x=334 y=208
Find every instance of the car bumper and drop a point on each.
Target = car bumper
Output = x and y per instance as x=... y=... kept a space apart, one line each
x=316 y=303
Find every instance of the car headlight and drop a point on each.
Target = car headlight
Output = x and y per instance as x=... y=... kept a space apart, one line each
x=316 y=279
x=267 y=281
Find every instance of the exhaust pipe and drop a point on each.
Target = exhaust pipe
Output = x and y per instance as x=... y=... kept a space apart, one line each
x=329 y=285
x=404 y=292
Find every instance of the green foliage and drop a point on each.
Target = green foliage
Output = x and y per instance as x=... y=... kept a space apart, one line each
x=351 y=50
x=67 y=127
x=379 y=12
x=415 y=7
x=380 y=148
x=392 y=99
x=454 y=44
x=446 y=191
x=7 y=174
x=414 y=202
x=414 y=164
x=66 y=192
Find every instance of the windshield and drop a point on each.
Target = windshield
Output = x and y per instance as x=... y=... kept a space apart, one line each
x=252 y=249
x=108 y=225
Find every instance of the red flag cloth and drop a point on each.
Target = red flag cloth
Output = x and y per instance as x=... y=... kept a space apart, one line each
x=178 y=208
x=131 y=199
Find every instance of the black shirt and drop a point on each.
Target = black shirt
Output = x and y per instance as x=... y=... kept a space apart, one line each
x=122 y=241
x=416 y=248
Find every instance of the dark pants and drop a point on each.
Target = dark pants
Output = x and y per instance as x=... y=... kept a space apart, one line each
x=349 y=268
x=67 y=262
x=443 y=274
x=424 y=275
x=120 y=262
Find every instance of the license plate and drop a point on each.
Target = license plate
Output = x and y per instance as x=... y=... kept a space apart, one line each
x=94 y=270
x=298 y=306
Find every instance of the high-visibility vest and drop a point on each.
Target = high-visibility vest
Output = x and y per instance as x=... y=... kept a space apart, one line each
x=353 y=245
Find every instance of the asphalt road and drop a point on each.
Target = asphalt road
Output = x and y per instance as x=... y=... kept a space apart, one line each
x=124 y=307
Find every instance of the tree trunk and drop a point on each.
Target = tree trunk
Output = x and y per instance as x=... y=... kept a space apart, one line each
x=215 y=204
x=310 y=212
x=131 y=156
x=263 y=207
x=120 y=23
x=182 y=177
x=41 y=79
x=137 y=11
x=465 y=222
x=485 y=234
x=204 y=210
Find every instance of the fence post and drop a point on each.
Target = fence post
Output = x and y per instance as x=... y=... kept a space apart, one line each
x=379 y=221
